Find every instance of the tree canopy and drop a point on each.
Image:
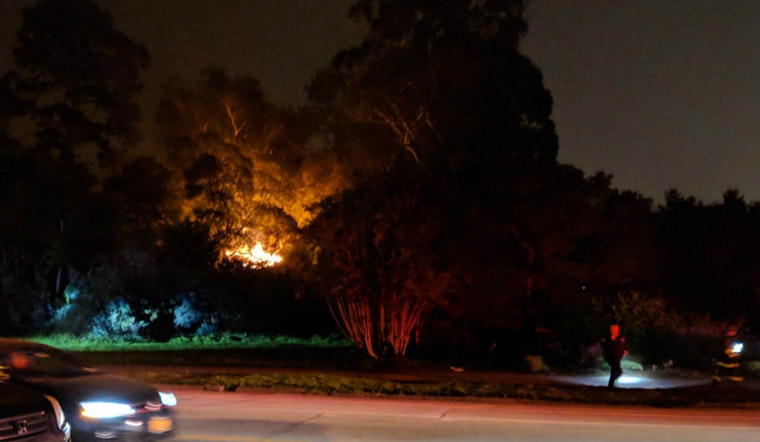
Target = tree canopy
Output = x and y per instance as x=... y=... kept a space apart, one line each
x=74 y=83
x=439 y=83
x=417 y=196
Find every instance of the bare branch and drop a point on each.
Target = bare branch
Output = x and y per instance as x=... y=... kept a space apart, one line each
x=235 y=128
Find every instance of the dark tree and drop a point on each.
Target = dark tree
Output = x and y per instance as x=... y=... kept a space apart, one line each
x=712 y=256
x=440 y=91
x=439 y=83
x=70 y=112
x=382 y=259
x=75 y=78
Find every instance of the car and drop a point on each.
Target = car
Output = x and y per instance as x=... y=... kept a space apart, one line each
x=26 y=416
x=98 y=405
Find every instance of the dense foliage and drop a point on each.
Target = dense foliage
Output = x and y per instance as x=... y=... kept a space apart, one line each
x=416 y=201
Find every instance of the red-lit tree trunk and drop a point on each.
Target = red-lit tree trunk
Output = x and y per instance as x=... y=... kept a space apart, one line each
x=381 y=324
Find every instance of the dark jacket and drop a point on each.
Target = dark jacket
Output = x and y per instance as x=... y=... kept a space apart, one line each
x=613 y=349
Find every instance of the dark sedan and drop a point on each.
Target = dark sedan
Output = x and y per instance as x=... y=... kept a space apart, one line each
x=26 y=416
x=98 y=406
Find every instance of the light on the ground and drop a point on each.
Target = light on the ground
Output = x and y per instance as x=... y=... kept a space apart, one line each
x=628 y=380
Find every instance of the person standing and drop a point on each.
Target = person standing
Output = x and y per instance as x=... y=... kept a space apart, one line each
x=614 y=349
x=726 y=364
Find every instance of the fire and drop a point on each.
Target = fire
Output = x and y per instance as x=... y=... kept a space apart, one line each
x=256 y=257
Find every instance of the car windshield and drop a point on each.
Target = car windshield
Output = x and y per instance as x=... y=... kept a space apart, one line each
x=33 y=361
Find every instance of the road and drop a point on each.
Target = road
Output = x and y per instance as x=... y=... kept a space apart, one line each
x=204 y=416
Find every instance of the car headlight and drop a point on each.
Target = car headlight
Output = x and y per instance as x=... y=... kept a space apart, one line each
x=105 y=410
x=168 y=399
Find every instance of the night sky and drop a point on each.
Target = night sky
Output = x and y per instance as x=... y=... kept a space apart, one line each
x=658 y=93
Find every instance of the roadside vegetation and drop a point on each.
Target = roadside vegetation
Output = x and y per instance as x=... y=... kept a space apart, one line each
x=731 y=396
x=216 y=342
x=414 y=212
x=333 y=366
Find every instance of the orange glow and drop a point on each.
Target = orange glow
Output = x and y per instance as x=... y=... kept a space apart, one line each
x=19 y=360
x=256 y=257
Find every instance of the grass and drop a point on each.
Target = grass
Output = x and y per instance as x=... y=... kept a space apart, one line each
x=380 y=384
x=332 y=366
x=224 y=341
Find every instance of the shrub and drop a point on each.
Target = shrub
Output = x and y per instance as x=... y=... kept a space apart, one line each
x=187 y=314
x=192 y=315
x=117 y=320
x=657 y=334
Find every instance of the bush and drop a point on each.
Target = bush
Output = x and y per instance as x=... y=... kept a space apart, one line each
x=187 y=315
x=656 y=334
x=117 y=321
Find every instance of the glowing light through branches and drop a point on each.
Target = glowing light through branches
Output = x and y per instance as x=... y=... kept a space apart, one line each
x=256 y=257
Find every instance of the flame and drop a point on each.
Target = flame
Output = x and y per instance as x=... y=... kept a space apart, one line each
x=256 y=257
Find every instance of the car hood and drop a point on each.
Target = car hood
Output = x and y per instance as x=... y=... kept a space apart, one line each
x=94 y=387
x=16 y=401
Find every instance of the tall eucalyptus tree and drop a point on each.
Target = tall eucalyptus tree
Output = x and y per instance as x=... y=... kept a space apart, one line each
x=72 y=114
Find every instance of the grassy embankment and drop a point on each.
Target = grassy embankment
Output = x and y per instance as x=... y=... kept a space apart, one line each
x=333 y=366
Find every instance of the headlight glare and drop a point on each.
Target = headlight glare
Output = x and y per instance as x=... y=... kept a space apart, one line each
x=168 y=399
x=105 y=410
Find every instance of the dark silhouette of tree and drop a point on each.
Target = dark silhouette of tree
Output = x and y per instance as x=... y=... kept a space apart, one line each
x=441 y=88
x=622 y=249
x=76 y=77
x=712 y=256
x=142 y=198
x=70 y=113
x=547 y=235
x=382 y=262
x=47 y=230
x=439 y=83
